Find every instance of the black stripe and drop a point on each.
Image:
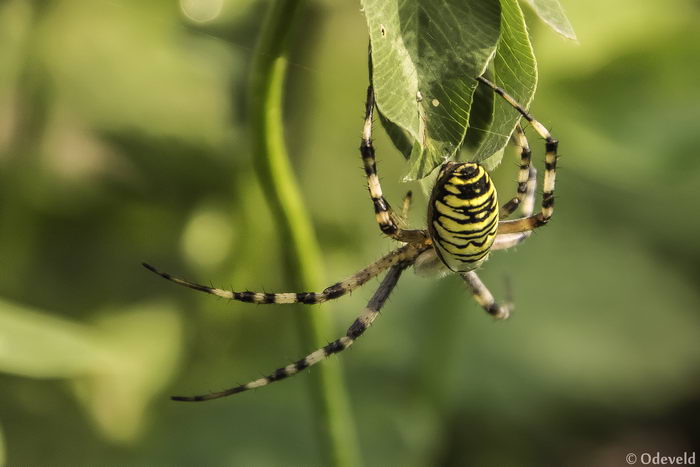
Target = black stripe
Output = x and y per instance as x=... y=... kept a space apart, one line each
x=301 y=364
x=469 y=214
x=279 y=374
x=369 y=103
x=269 y=298
x=540 y=221
x=334 y=347
x=388 y=229
x=469 y=238
x=471 y=190
x=551 y=145
x=522 y=187
x=493 y=308
x=464 y=222
x=548 y=200
x=483 y=177
x=442 y=242
x=469 y=233
x=356 y=329
x=379 y=205
x=511 y=205
x=334 y=291
x=467 y=189
x=470 y=258
x=308 y=298
x=244 y=296
x=488 y=205
x=461 y=197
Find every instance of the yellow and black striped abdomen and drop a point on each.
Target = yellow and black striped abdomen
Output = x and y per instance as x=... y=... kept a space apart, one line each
x=463 y=215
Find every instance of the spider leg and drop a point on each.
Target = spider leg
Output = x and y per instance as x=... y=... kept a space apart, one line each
x=308 y=298
x=406 y=205
x=507 y=240
x=356 y=329
x=484 y=297
x=382 y=209
x=550 y=164
x=523 y=174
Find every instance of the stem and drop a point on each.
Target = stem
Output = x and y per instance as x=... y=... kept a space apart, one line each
x=332 y=413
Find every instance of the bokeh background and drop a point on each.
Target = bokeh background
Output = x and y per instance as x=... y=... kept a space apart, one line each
x=122 y=140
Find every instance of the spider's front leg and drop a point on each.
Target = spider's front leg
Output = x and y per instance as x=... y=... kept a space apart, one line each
x=406 y=205
x=550 y=165
x=382 y=210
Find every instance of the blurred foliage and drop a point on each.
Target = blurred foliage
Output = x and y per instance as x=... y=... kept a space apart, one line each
x=421 y=53
x=121 y=141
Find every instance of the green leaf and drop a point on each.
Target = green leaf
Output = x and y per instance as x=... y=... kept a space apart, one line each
x=141 y=347
x=515 y=70
x=116 y=366
x=37 y=344
x=401 y=139
x=481 y=115
x=552 y=13
x=425 y=56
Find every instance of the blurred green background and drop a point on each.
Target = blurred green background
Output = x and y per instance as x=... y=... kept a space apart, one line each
x=122 y=140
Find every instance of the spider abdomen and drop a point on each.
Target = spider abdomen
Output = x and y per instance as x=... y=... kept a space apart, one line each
x=463 y=215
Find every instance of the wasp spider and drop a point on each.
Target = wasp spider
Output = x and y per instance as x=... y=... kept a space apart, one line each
x=465 y=225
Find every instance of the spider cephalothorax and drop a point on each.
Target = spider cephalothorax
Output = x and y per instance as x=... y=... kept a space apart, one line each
x=465 y=225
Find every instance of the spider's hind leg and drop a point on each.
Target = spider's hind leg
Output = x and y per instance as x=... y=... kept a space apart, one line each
x=484 y=297
x=508 y=240
x=356 y=329
x=308 y=298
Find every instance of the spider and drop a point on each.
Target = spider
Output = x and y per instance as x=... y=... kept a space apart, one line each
x=464 y=225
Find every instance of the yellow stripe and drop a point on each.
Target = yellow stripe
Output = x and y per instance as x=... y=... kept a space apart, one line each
x=445 y=210
x=457 y=202
x=469 y=248
x=452 y=189
x=457 y=228
x=456 y=180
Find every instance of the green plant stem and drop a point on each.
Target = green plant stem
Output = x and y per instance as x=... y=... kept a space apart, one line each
x=330 y=400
